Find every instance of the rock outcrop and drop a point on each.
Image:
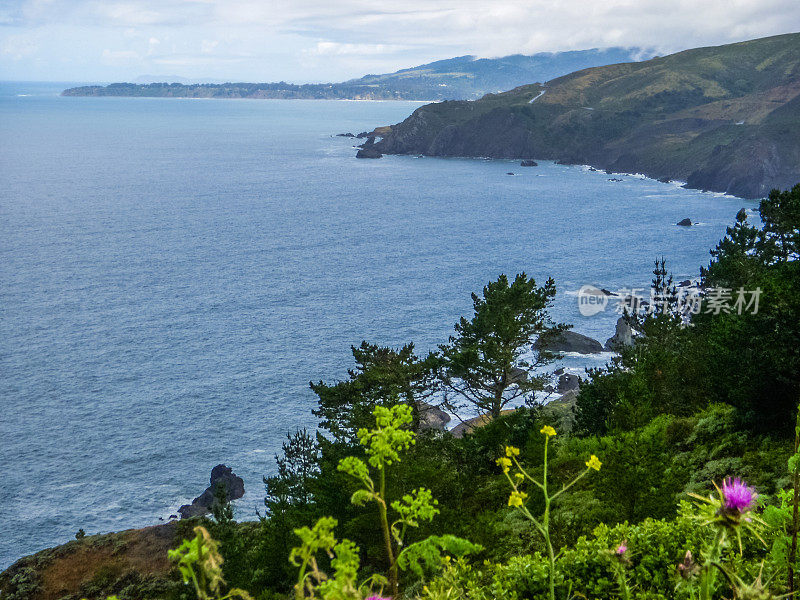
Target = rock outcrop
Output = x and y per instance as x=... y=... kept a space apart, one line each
x=432 y=417
x=623 y=336
x=685 y=222
x=220 y=476
x=368 y=153
x=568 y=382
x=528 y=163
x=570 y=341
x=368 y=149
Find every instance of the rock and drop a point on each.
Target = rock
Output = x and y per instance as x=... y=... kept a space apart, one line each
x=614 y=179
x=623 y=336
x=562 y=410
x=189 y=511
x=528 y=163
x=568 y=382
x=368 y=153
x=592 y=169
x=518 y=375
x=559 y=371
x=378 y=131
x=664 y=180
x=220 y=475
x=685 y=223
x=509 y=173
x=570 y=341
x=471 y=424
x=368 y=149
x=345 y=135
x=432 y=417
x=685 y=283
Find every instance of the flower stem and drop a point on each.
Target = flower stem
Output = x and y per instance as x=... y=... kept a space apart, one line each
x=387 y=536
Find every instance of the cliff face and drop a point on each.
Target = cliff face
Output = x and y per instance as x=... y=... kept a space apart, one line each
x=725 y=119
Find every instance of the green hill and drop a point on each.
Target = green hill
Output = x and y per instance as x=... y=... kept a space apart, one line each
x=723 y=118
x=463 y=77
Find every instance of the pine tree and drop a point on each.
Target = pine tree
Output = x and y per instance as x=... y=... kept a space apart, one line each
x=483 y=363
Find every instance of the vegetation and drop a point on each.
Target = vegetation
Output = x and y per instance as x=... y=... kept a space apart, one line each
x=679 y=479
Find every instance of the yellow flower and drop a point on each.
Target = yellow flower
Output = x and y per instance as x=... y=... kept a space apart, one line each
x=519 y=477
x=512 y=451
x=548 y=431
x=504 y=463
x=593 y=463
x=517 y=498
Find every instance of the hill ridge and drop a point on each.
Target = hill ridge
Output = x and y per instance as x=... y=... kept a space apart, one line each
x=722 y=118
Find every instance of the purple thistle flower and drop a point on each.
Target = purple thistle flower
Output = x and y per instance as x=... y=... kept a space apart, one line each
x=738 y=496
x=622 y=549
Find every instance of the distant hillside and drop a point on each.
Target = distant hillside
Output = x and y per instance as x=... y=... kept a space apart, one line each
x=723 y=118
x=461 y=78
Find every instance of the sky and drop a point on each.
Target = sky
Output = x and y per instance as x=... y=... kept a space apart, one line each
x=334 y=40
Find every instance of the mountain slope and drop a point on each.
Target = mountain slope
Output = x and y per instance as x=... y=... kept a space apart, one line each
x=723 y=118
x=463 y=77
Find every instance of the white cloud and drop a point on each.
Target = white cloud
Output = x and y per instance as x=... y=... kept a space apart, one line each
x=320 y=40
x=337 y=49
x=18 y=47
x=208 y=46
x=118 y=57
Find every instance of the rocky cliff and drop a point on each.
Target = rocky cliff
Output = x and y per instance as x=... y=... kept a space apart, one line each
x=723 y=118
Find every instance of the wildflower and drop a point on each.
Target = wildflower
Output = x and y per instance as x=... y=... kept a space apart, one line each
x=519 y=477
x=381 y=597
x=620 y=553
x=731 y=509
x=517 y=498
x=512 y=451
x=737 y=496
x=593 y=463
x=548 y=431
x=504 y=463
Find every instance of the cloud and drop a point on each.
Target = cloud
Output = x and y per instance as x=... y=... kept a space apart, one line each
x=313 y=40
x=18 y=47
x=208 y=46
x=337 y=49
x=117 y=57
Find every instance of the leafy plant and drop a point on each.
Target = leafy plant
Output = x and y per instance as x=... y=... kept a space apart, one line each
x=200 y=564
x=383 y=446
x=519 y=498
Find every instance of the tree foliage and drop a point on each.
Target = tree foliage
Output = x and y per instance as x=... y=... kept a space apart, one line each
x=483 y=363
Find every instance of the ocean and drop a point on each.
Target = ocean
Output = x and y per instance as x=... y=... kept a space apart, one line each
x=174 y=272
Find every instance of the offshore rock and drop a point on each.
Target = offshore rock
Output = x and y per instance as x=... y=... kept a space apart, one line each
x=220 y=475
x=623 y=336
x=570 y=341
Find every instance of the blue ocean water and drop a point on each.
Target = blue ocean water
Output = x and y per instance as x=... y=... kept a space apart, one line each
x=174 y=272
